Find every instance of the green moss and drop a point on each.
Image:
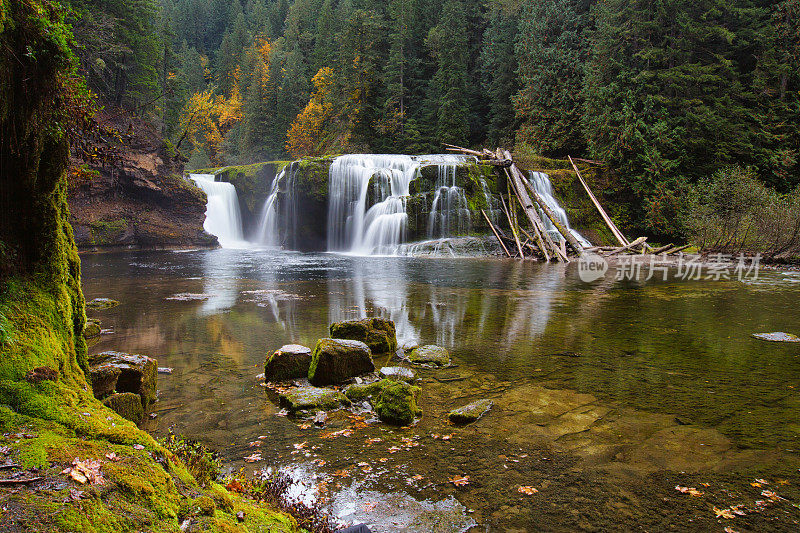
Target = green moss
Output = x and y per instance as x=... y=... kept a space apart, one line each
x=377 y=333
x=126 y=404
x=360 y=392
x=106 y=232
x=397 y=403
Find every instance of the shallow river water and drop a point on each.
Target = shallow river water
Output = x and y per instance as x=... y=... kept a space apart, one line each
x=609 y=397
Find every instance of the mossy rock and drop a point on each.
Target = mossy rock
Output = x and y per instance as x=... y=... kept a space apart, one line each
x=470 y=412
x=204 y=506
x=98 y=304
x=397 y=403
x=430 y=355
x=377 y=333
x=127 y=405
x=365 y=391
x=291 y=361
x=104 y=380
x=138 y=373
x=92 y=328
x=312 y=398
x=337 y=360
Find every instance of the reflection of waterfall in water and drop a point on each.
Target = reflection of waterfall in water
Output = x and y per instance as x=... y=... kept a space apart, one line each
x=220 y=282
x=531 y=314
x=541 y=184
x=351 y=227
x=278 y=220
x=376 y=289
x=223 y=218
x=449 y=214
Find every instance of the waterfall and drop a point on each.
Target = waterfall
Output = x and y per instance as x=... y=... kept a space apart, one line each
x=449 y=214
x=541 y=184
x=223 y=218
x=381 y=228
x=278 y=219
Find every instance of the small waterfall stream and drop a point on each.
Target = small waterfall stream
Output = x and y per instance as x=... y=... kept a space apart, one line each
x=541 y=184
x=449 y=214
x=223 y=217
x=278 y=220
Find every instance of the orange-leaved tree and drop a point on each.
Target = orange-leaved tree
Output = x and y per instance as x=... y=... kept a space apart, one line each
x=305 y=134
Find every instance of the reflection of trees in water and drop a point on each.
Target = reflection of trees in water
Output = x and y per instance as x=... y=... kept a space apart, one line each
x=432 y=311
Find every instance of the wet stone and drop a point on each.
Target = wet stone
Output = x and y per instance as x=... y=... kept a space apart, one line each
x=101 y=303
x=312 y=399
x=291 y=361
x=430 y=355
x=777 y=336
x=137 y=374
x=470 y=412
x=377 y=333
x=337 y=360
x=397 y=403
x=92 y=328
x=398 y=373
x=127 y=405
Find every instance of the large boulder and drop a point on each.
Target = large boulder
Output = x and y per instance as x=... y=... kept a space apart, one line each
x=337 y=360
x=470 y=412
x=430 y=355
x=377 y=333
x=291 y=361
x=137 y=374
x=127 y=405
x=303 y=399
x=397 y=403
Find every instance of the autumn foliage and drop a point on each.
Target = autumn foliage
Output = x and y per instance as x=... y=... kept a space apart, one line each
x=306 y=131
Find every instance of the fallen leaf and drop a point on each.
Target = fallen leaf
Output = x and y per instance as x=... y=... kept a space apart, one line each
x=724 y=513
x=530 y=491
x=86 y=471
x=252 y=458
x=459 y=481
x=374 y=441
x=394 y=449
x=755 y=484
x=300 y=446
x=307 y=425
x=234 y=485
x=688 y=490
x=369 y=506
x=383 y=459
x=769 y=494
x=138 y=447
x=112 y=456
x=762 y=481
x=416 y=477
x=729 y=530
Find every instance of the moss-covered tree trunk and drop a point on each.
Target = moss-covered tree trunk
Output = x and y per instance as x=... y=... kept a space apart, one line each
x=37 y=251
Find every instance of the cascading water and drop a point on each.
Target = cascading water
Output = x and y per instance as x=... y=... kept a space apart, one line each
x=223 y=218
x=278 y=219
x=449 y=214
x=541 y=184
x=381 y=228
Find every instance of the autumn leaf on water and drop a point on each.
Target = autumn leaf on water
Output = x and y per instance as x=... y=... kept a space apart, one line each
x=307 y=425
x=416 y=477
x=394 y=449
x=253 y=458
x=529 y=491
x=688 y=490
x=769 y=494
x=300 y=446
x=383 y=459
x=729 y=530
x=459 y=481
x=374 y=441
x=762 y=481
x=724 y=513
x=255 y=444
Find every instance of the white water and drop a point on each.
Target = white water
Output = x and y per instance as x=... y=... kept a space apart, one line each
x=268 y=229
x=541 y=184
x=381 y=228
x=351 y=226
x=449 y=214
x=223 y=218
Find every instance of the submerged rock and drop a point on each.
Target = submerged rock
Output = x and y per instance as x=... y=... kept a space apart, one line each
x=377 y=333
x=430 y=355
x=470 y=412
x=336 y=360
x=101 y=303
x=123 y=372
x=777 y=336
x=127 y=405
x=312 y=399
x=398 y=373
x=291 y=361
x=92 y=328
x=409 y=346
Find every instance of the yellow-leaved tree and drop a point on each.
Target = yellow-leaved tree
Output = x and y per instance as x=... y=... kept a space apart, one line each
x=206 y=118
x=305 y=134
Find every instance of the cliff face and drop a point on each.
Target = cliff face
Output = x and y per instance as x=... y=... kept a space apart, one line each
x=140 y=199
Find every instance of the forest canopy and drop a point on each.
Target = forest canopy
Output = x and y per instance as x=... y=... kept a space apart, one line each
x=663 y=93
